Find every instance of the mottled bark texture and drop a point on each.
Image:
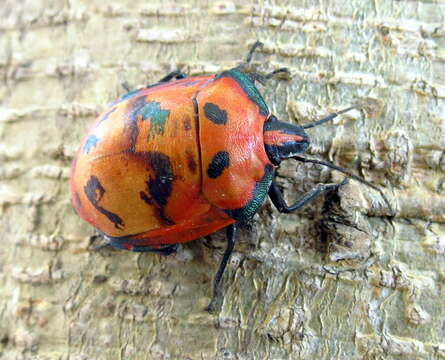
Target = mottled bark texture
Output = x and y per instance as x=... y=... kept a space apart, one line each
x=336 y=280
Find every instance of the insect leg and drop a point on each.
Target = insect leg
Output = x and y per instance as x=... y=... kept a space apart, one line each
x=255 y=46
x=262 y=79
x=277 y=71
x=208 y=243
x=173 y=75
x=231 y=238
x=350 y=175
x=126 y=86
x=277 y=198
x=164 y=250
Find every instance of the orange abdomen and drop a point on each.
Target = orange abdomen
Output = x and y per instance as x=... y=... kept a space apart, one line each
x=139 y=167
x=176 y=161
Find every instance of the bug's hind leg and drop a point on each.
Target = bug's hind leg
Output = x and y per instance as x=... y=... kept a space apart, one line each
x=176 y=75
x=217 y=293
x=164 y=250
x=126 y=86
x=277 y=197
x=208 y=243
x=173 y=75
x=161 y=250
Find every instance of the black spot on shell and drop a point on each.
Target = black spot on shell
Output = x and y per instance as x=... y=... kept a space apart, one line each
x=219 y=162
x=95 y=192
x=215 y=114
x=134 y=113
x=191 y=163
x=187 y=124
x=160 y=186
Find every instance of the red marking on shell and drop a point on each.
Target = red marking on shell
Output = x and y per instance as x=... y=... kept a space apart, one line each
x=277 y=137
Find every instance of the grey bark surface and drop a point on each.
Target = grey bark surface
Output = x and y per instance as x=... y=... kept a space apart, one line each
x=336 y=280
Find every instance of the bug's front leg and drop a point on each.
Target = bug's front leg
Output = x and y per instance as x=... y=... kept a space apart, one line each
x=277 y=197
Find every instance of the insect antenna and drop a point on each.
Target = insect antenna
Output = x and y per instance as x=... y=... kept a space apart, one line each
x=329 y=117
x=351 y=175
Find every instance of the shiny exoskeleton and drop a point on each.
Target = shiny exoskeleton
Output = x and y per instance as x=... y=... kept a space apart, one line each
x=183 y=158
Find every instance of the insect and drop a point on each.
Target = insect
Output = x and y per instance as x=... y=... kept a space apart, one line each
x=185 y=157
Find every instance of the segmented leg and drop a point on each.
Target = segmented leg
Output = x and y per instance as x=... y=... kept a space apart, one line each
x=176 y=75
x=275 y=72
x=277 y=198
x=126 y=86
x=231 y=238
x=392 y=213
x=208 y=243
x=262 y=79
x=163 y=250
x=173 y=75
x=255 y=46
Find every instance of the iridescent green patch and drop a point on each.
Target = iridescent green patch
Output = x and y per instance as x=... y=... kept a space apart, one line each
x=129 y=95
x=248 y=86
x=247 y=212
x=158 y=116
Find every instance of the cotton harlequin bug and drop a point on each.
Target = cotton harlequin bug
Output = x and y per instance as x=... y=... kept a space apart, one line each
x=185 y=157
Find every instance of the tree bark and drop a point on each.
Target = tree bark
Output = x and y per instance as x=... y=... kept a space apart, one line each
x=339 y=279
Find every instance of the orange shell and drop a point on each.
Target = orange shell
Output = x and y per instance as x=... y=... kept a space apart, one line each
x=146 y=170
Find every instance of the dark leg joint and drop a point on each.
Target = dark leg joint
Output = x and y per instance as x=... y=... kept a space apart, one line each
x=217 y=293
x=255 y=46
x=163 y=251
x=208 y=243
x=262 y=79
x=173 y=75
x=126 y=86
x=177 y=75
x=277 y=71
x=132 y=246
x=279 y=202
